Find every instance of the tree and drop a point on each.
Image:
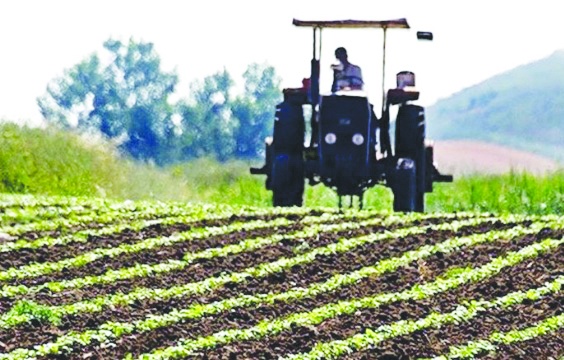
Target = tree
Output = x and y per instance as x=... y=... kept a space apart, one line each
x=215 y=123
x=127 y=99
x=254 y=110
x=207 y=122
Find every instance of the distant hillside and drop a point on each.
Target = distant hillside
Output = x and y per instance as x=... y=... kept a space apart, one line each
x=522 y=108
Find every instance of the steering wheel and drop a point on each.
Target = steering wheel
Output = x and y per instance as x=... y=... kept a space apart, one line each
x=354 y=82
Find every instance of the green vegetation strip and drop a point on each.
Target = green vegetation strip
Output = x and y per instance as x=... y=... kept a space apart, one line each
x=129 y=210
x=473 y=348
x=29 y=201
x=166 y=216
x=25 y=311
x=26 y=215
x=72 y=207
x=39 y=269
x=113 y=330
x=463 y=313
x=85 y=235
x=126 y=210
x=172 y=265
x=362 y=341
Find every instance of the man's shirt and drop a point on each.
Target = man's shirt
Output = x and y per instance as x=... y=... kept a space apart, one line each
x=349 y=77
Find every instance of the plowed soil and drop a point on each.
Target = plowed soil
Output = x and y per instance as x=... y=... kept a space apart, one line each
x=528 y=274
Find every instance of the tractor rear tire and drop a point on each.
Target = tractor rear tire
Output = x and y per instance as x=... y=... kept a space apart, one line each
x=406 y=196
x=419 y=201
x=287 y=180
x=410 y=143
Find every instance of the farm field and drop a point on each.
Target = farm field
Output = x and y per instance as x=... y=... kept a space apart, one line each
x=87 y=278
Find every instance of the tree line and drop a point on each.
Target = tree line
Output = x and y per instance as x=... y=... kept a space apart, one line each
x=128 y=99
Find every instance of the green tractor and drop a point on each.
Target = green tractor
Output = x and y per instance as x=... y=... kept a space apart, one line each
x=350 y=147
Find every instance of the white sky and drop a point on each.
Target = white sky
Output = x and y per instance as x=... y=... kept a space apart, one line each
x=474 y=40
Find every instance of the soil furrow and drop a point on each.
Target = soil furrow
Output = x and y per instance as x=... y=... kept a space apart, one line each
x=84 y=225
x=549 y=346
x=199 y=270
x=58 y=252
x=283 y=281
x=156 y=255
x=242 y=318
x=124 y=216
x=433 y=342
x=326 y=266
x=163 y=253
x=530 y=274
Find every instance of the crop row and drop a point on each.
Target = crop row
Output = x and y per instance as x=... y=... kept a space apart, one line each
x=492 y=343
x=320 y=314
x=142 y=270
x=17 y=215
x=83 y=236
x=72 y=209
x=26 y=201
x=317 y=271
x=25 y=311
x=112 y=330
x=311 y=318
x=159 y=281
x=146 y=220
x=37 y=269
x=102 y=214
x=128 y=211
x=372 y=337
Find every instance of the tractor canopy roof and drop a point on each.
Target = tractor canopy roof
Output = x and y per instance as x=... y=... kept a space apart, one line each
x=379 y=24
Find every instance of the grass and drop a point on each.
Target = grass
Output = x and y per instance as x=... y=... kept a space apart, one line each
x=53 y=162
x=48 y=161
x=514 y=192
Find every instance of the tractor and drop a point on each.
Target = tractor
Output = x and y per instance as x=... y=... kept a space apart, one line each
x=350 y=149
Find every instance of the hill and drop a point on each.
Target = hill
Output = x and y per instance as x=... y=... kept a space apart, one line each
x=522 y=108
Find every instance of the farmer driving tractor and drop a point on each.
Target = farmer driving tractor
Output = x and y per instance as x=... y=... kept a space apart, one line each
x=346 y=76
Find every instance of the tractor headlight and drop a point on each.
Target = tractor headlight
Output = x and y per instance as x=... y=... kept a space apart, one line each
x=330 y=138
x=358 y=139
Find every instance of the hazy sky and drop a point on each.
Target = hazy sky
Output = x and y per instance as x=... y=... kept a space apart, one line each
x=474 y=40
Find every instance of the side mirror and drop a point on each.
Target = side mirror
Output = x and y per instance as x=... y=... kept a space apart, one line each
x=425 y=35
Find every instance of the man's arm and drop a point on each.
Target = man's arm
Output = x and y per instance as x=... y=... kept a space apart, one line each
x=356 y=77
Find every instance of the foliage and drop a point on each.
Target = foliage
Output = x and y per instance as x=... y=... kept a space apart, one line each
x=49 y=161
x=127 y=99
x=215 y=123
x=207 y=123
x=513 y=192
x=254 y=110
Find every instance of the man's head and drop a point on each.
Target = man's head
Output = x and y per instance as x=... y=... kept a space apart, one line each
x=341 y=54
